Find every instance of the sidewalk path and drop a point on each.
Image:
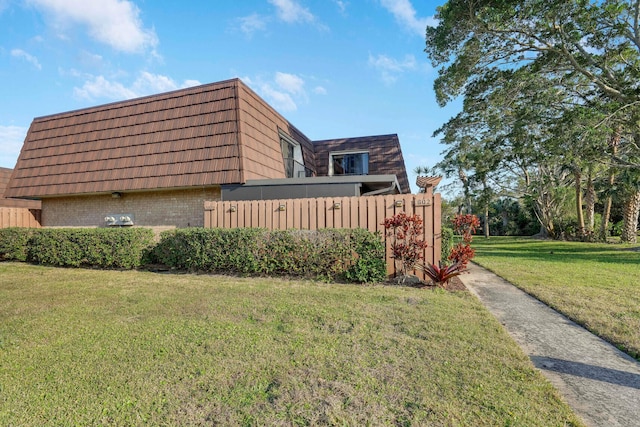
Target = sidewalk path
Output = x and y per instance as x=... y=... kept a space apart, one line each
x=598 y=381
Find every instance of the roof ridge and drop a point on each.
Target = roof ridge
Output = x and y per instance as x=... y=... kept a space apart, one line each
x=138 y=100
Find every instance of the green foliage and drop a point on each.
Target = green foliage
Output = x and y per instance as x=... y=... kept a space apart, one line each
x=356 y=255
x=617 y=228
x=89 y=247
x=200 y=249
x=370 y=265
x=446 y=243
x=13 y=243
x=510 y=217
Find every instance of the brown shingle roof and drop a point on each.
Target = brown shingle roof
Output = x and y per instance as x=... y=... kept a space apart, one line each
x=5 y=175
x=215 y=134
x=171 y=140
x=385 y=155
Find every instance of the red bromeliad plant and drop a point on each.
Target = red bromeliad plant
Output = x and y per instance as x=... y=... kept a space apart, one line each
x=406 y=247
x=443 y=273
x=461 y=253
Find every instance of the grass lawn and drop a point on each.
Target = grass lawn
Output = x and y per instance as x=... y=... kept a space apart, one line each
x=595 y=284
x=86 y=347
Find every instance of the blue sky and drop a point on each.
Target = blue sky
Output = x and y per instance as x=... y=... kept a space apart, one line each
x=333 y=68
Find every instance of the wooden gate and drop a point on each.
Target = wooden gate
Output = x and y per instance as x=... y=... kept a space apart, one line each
x=366 y=212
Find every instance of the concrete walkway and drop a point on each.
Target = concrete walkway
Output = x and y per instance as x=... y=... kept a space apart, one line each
x=598 y=381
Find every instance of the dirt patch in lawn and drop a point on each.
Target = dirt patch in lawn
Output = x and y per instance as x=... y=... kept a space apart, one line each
x=454 y=284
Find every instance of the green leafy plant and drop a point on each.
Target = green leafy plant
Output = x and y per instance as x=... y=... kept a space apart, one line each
x=89 y=247
x=13 y=243
x=446 y=239
x=355 y=255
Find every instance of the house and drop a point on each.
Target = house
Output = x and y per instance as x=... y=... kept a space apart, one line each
x=154 y=161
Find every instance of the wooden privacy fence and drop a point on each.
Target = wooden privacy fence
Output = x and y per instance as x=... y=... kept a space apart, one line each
x=20 y=217
x=366 y=212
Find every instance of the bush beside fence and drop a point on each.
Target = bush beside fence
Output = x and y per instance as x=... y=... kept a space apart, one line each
x=77 y=247
x=356 y=255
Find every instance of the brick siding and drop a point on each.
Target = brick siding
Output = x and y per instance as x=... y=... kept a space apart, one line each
x=159 y=210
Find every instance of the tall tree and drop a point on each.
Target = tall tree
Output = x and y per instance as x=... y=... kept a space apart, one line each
x=595 y=42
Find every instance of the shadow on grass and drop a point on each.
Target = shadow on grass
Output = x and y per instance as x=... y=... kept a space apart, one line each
x=598 y=373
x=557 y=251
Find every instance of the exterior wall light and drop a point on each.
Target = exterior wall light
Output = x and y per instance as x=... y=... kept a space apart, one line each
x=336 y=205
x=282 y=208
x=233 y=208
x=399 y=203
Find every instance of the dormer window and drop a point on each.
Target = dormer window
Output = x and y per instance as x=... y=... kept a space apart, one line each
x=292 y=157
x=349 y=163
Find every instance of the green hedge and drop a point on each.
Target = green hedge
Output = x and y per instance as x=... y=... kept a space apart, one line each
x=13 y=243
x=355 y=255
x=90 y=247
x=447 y=244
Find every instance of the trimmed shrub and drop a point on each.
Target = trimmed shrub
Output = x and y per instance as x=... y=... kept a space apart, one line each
x=446 y=243
x=215 y=249
x=90 y=247
x=325 y=254
x=13 y=243
x=370 y=265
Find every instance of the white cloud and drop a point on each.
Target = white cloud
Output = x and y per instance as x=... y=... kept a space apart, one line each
x=405 y=14
x=290 y=11
x=290 y=83
x=284 y=92
x=116 y=23
x=280 y=100
x=11 y=140
x=390 y=68
x=319 y=90
x=342 y=5
x=252 y=23
x=98 y=87
x=19 y=53
x=91 y=59
x=190 y=83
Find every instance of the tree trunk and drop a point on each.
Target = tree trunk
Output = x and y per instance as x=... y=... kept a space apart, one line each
x=465 y=188
x=577 y=173
x=590 y=203
x=606 y=213
x=486 y=221
x=631 y=213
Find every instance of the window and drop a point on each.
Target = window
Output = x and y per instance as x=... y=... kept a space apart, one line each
x=349 y=163
x=292 y=157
